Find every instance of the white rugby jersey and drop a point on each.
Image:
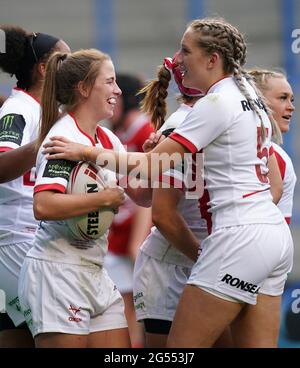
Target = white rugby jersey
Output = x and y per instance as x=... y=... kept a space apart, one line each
x=224 y=126
x=289 y=181
x=156 y=245
x=19 y=119
x=54 y=241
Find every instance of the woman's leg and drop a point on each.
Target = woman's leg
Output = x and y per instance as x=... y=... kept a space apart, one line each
x=16 y=338
x=257 y=326
x=60 y=340
x=200 y=319
x=156 y=331
x=117 y=338
x=136 y=331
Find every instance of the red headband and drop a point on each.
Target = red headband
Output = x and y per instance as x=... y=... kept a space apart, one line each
x=172 y=67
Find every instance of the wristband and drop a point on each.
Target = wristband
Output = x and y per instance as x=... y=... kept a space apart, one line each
x=86 y=152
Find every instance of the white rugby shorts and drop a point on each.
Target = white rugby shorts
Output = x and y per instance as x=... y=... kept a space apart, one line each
x=242 y=261
x=11 y=260
x=120 y=270
x=157 y=287
x=66 y=298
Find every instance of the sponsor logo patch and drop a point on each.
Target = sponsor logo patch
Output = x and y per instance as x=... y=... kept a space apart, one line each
x=240 y=284
x=12 y=128
x=59 y=169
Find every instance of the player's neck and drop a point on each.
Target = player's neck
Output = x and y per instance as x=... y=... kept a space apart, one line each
x=36 y=91
x=87 y=123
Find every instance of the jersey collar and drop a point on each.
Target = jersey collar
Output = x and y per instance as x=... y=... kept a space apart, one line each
x=27 y=93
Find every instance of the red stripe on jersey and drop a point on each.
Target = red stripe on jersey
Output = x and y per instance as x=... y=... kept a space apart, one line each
x=288 y=220
x=204 y=207
x=52 y=187
x=104 y=138
x=184 y=142
x=281 y=164
x=5 y=149
x=258 y=191
x=271 y=151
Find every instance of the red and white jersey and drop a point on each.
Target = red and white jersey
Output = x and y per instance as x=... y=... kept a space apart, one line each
x=289 y=181
x=235 y=172
x=156 y=245
x=19 y=119
x=133 y=139
x=54 y=241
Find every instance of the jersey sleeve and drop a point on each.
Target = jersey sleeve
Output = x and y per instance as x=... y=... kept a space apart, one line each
x=174 y=177
x=53 y=175
x=208 y=119
x=12 y=127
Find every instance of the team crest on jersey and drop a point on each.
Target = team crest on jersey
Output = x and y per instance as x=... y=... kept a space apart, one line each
x=12 y=128
x=59 y=169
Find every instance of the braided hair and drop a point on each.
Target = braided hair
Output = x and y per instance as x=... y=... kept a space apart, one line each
x=156 y=91
x=216 y=35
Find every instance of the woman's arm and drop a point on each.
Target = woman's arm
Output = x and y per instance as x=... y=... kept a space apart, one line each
x=141 y=196
x=141 y=225
x=164 y=156
x=16 y=162
x=49 y=205
x=275 y=179
x=170 y=222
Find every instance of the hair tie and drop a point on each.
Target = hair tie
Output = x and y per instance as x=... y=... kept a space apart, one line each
x=60 y=60
x=63 y=57
x=168 y=64
x=172 y=66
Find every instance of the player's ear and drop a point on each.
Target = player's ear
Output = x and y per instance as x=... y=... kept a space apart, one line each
x=83 y=89
x=41 y=68
x=213 y=59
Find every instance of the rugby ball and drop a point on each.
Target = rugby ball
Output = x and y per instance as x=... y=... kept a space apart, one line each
x=88 y=178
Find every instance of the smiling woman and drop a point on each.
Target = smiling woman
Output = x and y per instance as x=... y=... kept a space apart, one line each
x=91 y=309
x=280 y=98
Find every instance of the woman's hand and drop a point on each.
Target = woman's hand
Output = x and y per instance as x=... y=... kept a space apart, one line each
x=113 y=197
x=152 y=141
x=62 y=148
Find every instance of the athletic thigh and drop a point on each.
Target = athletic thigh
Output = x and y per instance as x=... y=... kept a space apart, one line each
x=257 y=326
x=200 y=319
